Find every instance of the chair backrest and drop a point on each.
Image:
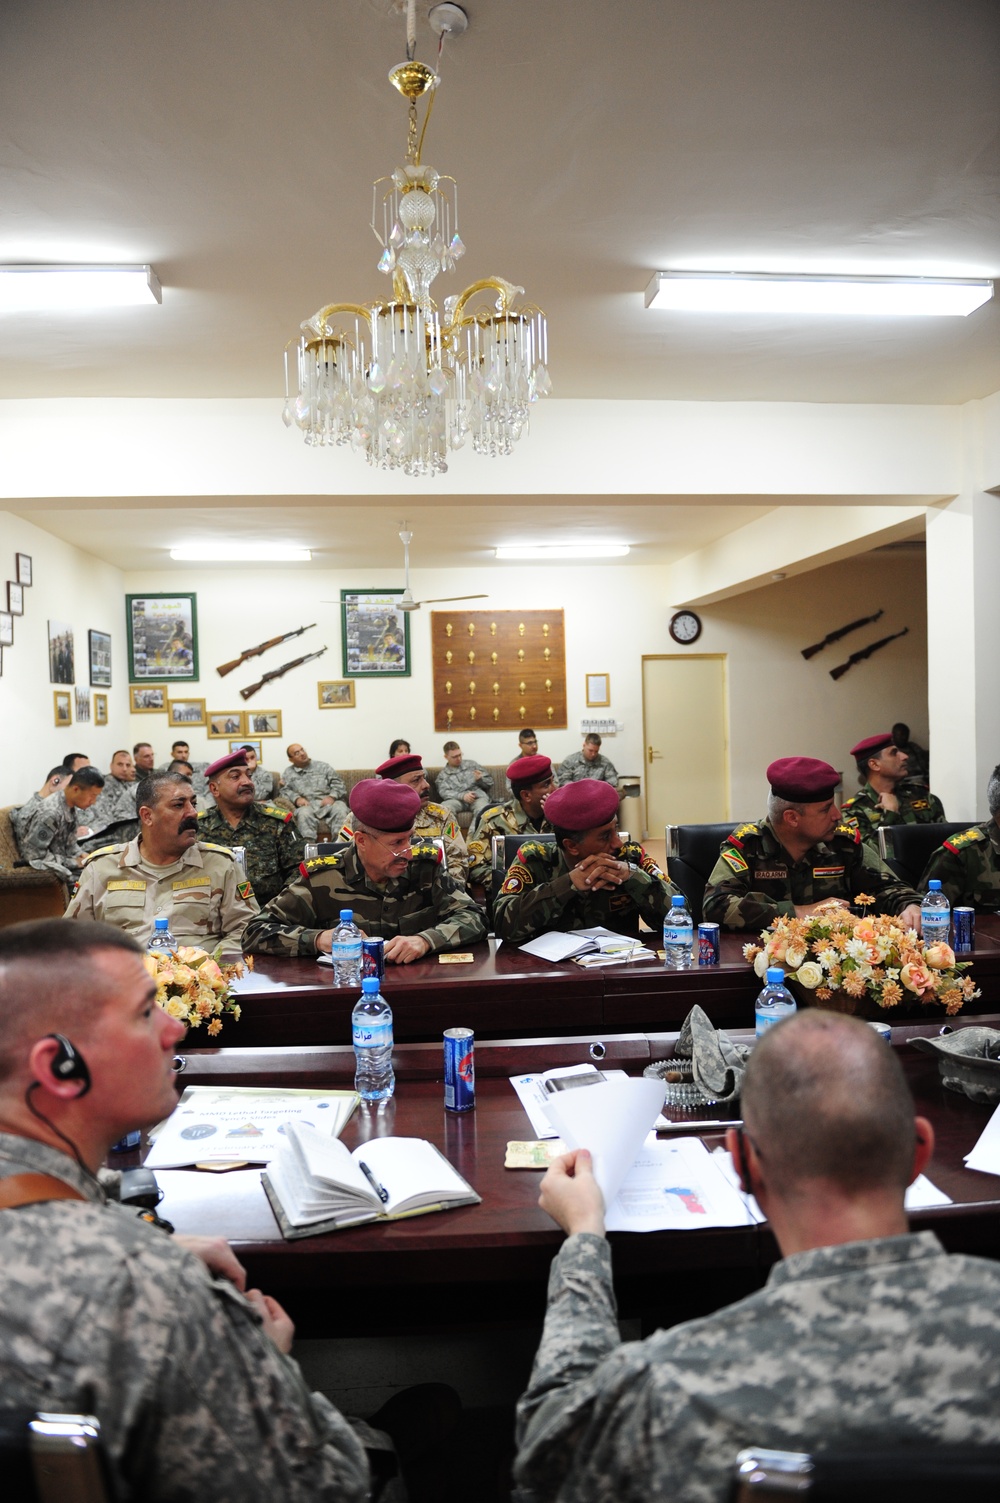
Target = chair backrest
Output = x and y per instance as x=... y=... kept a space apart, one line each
x=333 y=847
x=901 y=1475
x=505 y=848
x=52 y=1458
x=692 y=851
x=908 y=848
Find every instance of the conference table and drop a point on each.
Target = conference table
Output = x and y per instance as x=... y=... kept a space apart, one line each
x=488 y=1263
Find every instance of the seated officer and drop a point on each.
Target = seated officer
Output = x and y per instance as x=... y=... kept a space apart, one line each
x=801 y=855
x=531 y=780
x=843 y=1349
x=271 y=844
x=401 y=894
x=888 y=796
x=587 y=878
x=432 y=820
x=968 y=864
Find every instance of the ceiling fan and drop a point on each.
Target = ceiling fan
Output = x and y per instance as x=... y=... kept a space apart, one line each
x=406 y=601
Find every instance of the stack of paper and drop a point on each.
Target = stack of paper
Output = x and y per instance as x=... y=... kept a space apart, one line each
x=243 y=1124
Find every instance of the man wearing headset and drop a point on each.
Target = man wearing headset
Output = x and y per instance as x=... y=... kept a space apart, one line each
x=864 y=1335
x=102 y=1313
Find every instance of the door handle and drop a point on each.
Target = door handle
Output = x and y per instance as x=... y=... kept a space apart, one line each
x=651 y=753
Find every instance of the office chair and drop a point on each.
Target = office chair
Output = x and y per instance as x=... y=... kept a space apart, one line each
x=52 y=1458
x=906 y=849
x=692 y=851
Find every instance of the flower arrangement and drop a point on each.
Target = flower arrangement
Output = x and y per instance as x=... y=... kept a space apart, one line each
x=193 y=987
x=841 y=959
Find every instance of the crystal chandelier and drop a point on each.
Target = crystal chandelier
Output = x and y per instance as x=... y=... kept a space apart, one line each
x=397 y=380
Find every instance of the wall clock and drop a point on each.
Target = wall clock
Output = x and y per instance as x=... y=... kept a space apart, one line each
x=685 y=627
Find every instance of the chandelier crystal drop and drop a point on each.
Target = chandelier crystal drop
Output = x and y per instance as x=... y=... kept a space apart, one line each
x=398 y=380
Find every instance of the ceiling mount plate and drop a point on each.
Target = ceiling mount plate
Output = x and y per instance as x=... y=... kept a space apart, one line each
x=448 y=20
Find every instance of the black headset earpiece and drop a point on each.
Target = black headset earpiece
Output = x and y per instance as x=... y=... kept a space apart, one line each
x=69 y=1064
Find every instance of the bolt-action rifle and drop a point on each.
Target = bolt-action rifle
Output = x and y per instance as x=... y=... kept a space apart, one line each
x=255 y=652
x=835 y=636
x=279 y=673
x=866 y=652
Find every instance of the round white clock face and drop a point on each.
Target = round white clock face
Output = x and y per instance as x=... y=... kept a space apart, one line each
x=685 y=627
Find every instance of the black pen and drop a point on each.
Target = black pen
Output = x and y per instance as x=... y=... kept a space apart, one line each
x=382 y=1193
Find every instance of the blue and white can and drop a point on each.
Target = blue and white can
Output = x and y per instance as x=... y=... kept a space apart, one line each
x=883 y=1030
x=708 y=944
x=372 y=958
x=963 y=921
x=459 y=1069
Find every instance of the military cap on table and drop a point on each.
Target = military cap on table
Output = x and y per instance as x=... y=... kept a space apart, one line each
x=801 y=780
x=222 y=764
x=524 y=771
x=581 y=806
x=395 y=767
x=385 y=805
x=872 y=745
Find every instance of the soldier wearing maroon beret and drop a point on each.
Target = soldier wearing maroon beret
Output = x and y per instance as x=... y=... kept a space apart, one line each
x=588 y=877
x=433 y=822
x=272 y=847
x=799 y=856
x=531 y=780
x=888 y=795
x=400 y=893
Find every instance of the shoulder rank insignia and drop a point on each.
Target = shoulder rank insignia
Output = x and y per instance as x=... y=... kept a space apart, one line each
x=850 y=802
x=424 y=850
x=275 y=813
x=103 y=850
x=535 y=848
x=737 y=836
x=918 y=803
x=849 y=831
x=965 y=837
x=318 y=864
x=517 y=878
x=210 y=845
x=734 y=860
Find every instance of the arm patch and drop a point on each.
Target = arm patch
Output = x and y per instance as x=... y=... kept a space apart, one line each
x=517 y=879
x=734 y=860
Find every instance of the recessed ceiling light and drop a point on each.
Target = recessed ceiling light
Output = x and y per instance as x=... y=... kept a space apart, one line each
x=26 y=288
x=765 y=292
x=565 y=551
x=240 y=553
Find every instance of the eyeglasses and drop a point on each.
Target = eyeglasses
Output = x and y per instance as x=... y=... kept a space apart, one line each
x=400 y=845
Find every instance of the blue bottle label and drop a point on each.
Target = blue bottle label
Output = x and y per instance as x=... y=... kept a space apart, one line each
x=678 y=934
x=372 y=1035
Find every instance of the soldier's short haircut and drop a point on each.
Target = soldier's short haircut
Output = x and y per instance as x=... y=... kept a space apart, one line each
x=825 y=1099
x=56 y=772
x=593 y=738
x=137 y=748
x=87 y=777
x=527 y=734
x=564 y=835
x=993 y=790
x=776 y=808
x=450 y=746
x=178 y=766
x=901 y=733
x=69 y=759
x=122 y=751
x=150 y=788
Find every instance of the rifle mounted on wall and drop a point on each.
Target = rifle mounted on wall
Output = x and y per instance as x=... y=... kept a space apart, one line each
x=835 y=636
x=279 y=672
x=866 y=652
x=255 y=652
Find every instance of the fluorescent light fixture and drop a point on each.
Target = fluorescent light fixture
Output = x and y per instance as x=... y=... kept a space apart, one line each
x=564 y=551
x=766 y=292
x=25 y=288
x=240 y=553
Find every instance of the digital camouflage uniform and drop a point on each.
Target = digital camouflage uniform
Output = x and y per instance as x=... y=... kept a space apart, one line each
x=315 y=781
x=576 y=767
x=453 y=783
x=202 y=893
x=917 y=806
x=272 y=845
x=115 y=805
x=537 y=895
x=887 y=1343
x=48 y=840
x=435 y=823
x=104 y=1314
x=21 y=817
x=754 y=878
x=501 y=819
x=423 y=902
x=199 y=782
x=968 y=867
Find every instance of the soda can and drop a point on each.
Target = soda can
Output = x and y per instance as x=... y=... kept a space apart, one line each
x=708 y=944
x=964 y=929
x=883 y=1030
x=459 y=1070
x=372 y=958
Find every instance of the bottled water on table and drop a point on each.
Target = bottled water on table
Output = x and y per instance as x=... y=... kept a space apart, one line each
x=678 y=936
x=161 y=941
x=935 y=915
x=345 y=950
x=775 y=1002
x=371 y=1028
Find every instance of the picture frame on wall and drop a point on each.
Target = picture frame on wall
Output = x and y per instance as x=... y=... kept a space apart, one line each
x=242 y=745
x=15 y=598
x=162 y=634
x=99 y=643
x=375 y=634
x=100 y=709
x=147 y=699
x=82 y=706
x=598 y=689
x=23 y=568
x=62 y=669
x=263 y=722
x=62 y=704
x=182 y=713
x=336 y=694
x=6 y=629
x=223 y=723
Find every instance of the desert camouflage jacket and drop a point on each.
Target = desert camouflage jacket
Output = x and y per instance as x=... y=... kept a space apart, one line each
x=917 y=806
x=537 y=895
x=499 y=819
x=968 y=867
x=272 y=844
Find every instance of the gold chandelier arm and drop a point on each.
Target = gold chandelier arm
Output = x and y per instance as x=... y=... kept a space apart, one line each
x=356 y=308
x=506 y=291
x=427 y=121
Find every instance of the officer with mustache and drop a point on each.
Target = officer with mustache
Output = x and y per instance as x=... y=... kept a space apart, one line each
x=167 y=872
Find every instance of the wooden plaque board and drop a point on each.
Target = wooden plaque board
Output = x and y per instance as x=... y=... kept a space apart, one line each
x=498 y=670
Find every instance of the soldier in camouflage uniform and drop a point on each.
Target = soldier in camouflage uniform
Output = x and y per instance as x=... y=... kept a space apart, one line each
x=532 y=781
x=433 y=822
x=115 y=805
x=587 y=878
x=968 y=864
x=180 y=751
x=48 y=840
x=22 y=816
x=799 y=856
x=588 y=763
x=266 y=785
x=105 y=1314
x=830 y=1144
x=316 y=792
x=401 y=894
x=463 y=786
x=271 y=844
x=888 y=796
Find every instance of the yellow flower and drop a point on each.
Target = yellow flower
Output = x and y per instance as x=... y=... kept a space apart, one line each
x=235 y=1011
x=863 y=900
x=823 y=994
x=892 y=994
x=175 y=1008
x=854 y=985
x=214 y=1027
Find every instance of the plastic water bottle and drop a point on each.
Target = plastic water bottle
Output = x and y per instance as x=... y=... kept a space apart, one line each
x=161 y=941
x=935 y=915
x=345 y=950
x=678 y=936
x=371 y=1029
x=775 y=1002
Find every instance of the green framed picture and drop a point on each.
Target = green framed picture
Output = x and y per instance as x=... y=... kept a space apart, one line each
x=375 y=634
x=162 y=632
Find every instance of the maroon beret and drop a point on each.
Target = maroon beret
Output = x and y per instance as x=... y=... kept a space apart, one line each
x=385 y=805
x=872 y=745
x=233 y=759
x=582 y=806
x=524 y=771
x=800 y=780
x=396 y=766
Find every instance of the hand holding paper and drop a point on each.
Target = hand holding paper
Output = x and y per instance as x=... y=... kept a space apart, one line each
x=612 y=1120
x=571 y=1195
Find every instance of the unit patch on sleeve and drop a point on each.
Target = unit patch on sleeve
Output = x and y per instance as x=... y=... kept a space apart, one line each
x=735 y=860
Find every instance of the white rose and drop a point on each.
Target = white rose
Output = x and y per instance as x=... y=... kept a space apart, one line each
x=810 y=974
x=761 y=964
x=794 y=956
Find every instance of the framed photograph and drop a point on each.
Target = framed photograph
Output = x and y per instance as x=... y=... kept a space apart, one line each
x=336 y=694
x=162 y=638
x=61 y=666
x=62 y=702
x=253 y=746
x=598 y=688
x=222 y=723
x=100 y=659
x=263 y=722
x=82 y=706
x=23 y=568
x=150 y=700
x=6 y=629
x=376 y=634
x=15 y=598
x=185 y=712
x=100 y=709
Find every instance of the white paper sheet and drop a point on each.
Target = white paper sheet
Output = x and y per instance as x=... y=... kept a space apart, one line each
x=534 y=1097
x=224 y=1125
x=985 y=1156
x=612 y=1120
x=675 y=1186
x=922 y=1195
x=556 y=945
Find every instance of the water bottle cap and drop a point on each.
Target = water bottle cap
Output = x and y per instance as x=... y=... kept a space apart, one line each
x=775 y=975
x=347 y=915
x=370 y=986
x=162 y=923
x=934 y=885
x=677 y=901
